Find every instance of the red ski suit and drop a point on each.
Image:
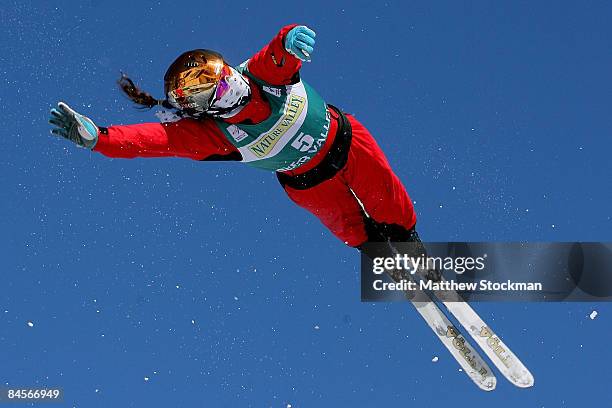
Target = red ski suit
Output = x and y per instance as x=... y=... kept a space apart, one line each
x=366 y=175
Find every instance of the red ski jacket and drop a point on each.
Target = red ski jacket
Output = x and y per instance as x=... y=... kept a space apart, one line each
x=202 y=139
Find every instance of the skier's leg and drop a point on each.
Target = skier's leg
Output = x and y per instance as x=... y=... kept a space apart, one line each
x=335 y=206
x=366 y=177
x=391 y=215
x=374 y=183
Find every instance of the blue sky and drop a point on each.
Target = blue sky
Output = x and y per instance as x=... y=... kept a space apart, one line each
x=205 y=279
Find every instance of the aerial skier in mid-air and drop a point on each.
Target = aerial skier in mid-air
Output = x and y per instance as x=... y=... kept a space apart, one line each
x=262 y=113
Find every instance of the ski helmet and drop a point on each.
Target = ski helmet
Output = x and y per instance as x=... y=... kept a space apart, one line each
x=191 y=81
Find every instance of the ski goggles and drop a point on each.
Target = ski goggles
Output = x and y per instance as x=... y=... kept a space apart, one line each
x=197 y=87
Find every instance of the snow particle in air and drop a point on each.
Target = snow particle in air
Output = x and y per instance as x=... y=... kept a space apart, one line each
x=593 y=314
x=30 y=324
x=435 y=359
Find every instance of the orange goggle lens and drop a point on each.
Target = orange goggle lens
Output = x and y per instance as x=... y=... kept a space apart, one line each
x=196 y=89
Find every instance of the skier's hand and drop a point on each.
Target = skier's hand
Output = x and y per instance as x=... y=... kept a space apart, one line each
x=73 y=126
x=299 y=42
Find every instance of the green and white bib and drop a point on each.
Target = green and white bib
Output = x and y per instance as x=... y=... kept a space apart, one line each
x=295 y=131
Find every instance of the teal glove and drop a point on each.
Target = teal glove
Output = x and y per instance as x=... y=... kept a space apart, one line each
x=73 y=126
x=299 y=42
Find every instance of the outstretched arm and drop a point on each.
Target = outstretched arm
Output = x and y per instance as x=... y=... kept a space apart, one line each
x=278 y=62
x=189 y=138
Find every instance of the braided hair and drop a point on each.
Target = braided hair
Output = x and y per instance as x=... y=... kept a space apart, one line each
x=144 y=99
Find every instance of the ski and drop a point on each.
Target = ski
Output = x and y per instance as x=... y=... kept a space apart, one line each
x=500 y=355
x=464 y=353
x=469 y=359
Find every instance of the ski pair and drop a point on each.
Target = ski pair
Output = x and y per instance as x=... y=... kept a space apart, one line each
x=468 y=358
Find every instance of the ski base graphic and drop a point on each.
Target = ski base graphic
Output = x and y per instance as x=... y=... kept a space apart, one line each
x=468 y=358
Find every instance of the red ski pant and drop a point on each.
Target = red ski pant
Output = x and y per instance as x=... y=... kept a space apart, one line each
x=366 y=176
